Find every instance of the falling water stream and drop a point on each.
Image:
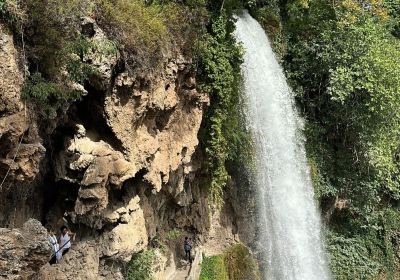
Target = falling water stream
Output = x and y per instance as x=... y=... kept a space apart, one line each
x=289 y=219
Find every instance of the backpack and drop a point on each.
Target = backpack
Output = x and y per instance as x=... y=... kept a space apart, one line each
x=187 y=246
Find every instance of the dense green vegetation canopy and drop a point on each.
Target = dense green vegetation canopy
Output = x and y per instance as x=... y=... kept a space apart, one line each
x=342 y=59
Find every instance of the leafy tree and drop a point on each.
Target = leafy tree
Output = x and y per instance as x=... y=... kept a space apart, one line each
x=343 y=62
x=218 y=65
x=48 y=97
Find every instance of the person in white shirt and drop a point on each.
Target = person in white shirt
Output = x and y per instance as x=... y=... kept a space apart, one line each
x=65 y=239
x=56 y=255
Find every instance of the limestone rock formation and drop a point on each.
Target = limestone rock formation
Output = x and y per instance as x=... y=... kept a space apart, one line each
x=95 y=166
x=123 y=165
x=23 y=251
x=16 y=121
x=21 y=148
x=157 y=123
x=80 y=263
x=129 y=236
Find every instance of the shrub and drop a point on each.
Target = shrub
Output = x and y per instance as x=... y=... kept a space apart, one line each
x=139 y=27
x=236 y=263
x=157 y=243
x=140 y=266
x=213 y=268
x=350 y=258
x=50 y=96
x=74 y=53
x=47 y=96
x=218 y=59
x=240 y=263
x=13 y=14
x=173 y=234
x=149 y=29
x=52 y=26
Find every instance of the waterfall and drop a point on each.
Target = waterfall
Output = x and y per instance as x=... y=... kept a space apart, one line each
x=290 y=226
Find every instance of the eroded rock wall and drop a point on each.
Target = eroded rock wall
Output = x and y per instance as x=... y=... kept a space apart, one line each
x=21 y=147
x=131 y=152
x=23 y=251
x=121 y=167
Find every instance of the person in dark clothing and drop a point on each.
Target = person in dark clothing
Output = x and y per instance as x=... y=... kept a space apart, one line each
x=187 y=246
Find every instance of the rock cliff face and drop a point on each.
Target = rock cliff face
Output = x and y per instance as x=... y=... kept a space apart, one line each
x=21 y=148
x=122 y=166
x=23 y=251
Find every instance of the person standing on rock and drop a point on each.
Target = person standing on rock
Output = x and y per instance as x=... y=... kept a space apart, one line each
x=56 y=256
x=187 y=246
x=65 y=239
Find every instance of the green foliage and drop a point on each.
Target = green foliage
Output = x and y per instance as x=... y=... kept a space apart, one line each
x=268 y=15
x=351 y=258
x=343 y=62
x=47 y=96
x=366 y=250
x=73 y=54
x=140 y=266
x=241 y=264
x=347 y=76
x=320 y=156
x=149 y=29
x=214 y=268
x=157 y=243
x=52 y=26
x=389 y=219
x=55 y=45
x=140 y=26
x=393 y=21
x=173 y=234
x=12 y=14
x=218 y=67
x=236 y=263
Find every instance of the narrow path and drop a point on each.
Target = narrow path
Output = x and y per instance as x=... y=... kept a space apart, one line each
x=187 y=271
x=181 y=273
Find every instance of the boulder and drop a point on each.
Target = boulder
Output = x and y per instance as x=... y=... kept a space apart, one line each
x=23 y=251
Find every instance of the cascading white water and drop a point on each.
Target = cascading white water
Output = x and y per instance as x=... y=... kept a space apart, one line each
x=290 y=233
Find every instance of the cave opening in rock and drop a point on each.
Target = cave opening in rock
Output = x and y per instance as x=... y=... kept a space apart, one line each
x=56 y=197
x=59 y=198
x=89 y=111
x=129 y=188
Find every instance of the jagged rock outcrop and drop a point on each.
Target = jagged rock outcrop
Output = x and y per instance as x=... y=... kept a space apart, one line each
x=91 y=259
x=23 y=251
x=80 y=263
x=16 y=120
x=157 y=124
x=96 y=167
x=21 y=149
x=129 y=236
x=154 y=121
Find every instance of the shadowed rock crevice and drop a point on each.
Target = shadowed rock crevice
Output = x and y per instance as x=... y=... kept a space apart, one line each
x=89 y=112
